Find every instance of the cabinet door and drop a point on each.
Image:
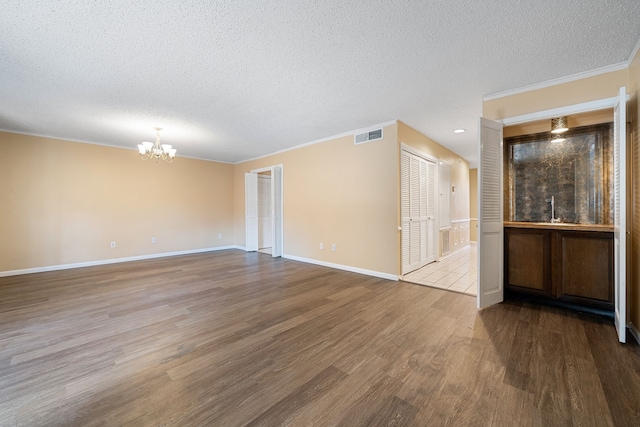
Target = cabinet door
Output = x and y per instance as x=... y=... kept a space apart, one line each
x=585 y=268
x=528 y=261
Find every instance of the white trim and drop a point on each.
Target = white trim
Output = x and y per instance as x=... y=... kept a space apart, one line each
x=265 y=169
x=635 y=332
x=600 y=104
x=318 y=141
x=112 y=261
x=460 y=220
x=102 y=144
x=560 y=80
x=284 y=150
x=634 y=52
x=379 y=274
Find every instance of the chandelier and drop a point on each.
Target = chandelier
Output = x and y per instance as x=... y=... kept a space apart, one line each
x=150 y=150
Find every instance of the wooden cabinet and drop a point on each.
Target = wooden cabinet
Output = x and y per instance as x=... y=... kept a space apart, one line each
x=528 y=260
x=566 y=265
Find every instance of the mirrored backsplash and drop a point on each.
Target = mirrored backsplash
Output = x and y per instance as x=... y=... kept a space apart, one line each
x=572 y=179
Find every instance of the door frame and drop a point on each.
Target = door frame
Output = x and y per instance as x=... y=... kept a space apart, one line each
x=277 y=215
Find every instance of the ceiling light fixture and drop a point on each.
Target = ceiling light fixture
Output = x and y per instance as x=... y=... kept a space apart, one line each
x=559 y=124
x=149 y=150
x=459 y=131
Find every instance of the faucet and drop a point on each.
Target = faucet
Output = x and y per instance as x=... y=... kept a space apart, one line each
x=552 y=200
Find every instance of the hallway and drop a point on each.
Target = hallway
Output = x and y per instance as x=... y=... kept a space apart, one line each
x=457 y=272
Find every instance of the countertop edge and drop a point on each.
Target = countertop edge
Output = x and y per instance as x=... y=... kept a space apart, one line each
x=567 y=227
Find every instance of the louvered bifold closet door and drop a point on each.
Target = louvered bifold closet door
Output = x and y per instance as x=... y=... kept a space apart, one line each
x=417 y=212
x=490 y=225
x=424 y=212
x=424 y=226
x=405 y=210
x=432 y=232
x=415 y=224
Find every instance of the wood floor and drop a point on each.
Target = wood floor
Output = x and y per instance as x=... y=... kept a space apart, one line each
x=230 y=339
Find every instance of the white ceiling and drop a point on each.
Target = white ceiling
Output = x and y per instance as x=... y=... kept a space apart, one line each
x=234 y=80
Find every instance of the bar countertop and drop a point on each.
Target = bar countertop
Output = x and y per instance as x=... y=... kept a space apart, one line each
x=560 y=226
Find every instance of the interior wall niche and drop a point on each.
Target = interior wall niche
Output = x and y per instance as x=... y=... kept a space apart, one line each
x=576 y=172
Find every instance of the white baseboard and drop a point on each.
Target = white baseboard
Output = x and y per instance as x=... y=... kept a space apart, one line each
x=111 y=261
x=343 y=267
x=635 y=332
x=188 y=252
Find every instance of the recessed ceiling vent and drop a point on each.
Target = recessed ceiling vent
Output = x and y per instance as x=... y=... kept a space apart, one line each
x=372 y=135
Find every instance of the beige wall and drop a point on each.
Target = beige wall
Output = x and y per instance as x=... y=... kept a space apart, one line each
x=634 y=116
x=64 y=202
x=336 y=192
x=473 y=204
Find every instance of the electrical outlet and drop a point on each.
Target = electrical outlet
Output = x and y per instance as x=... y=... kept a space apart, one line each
x=333 y=247
x=321 y=245
x=219 y=235
x=154 y=240
x=113 y=244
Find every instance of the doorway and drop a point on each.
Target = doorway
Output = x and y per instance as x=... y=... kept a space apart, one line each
x=263 y=210
x=265 y=237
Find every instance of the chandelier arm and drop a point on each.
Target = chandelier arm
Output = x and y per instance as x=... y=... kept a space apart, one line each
x=156 y=151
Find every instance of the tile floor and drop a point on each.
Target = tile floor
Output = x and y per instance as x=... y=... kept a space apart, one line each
x=455 y=273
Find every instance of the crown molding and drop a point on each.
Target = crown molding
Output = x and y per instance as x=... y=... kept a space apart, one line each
x=560 y=80
x=318 y=141
x=633 y=53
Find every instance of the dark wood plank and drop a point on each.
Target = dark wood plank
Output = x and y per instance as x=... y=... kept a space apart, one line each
x=231 y=338
x=300 y=397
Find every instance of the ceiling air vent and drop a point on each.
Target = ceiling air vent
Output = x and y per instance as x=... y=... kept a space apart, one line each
x=372 y=135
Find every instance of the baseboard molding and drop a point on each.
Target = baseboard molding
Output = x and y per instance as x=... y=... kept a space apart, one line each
x=111 y=261
x=343 y=267
x=635 y=332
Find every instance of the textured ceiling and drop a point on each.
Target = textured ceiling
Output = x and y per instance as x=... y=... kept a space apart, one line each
x=234 y=80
